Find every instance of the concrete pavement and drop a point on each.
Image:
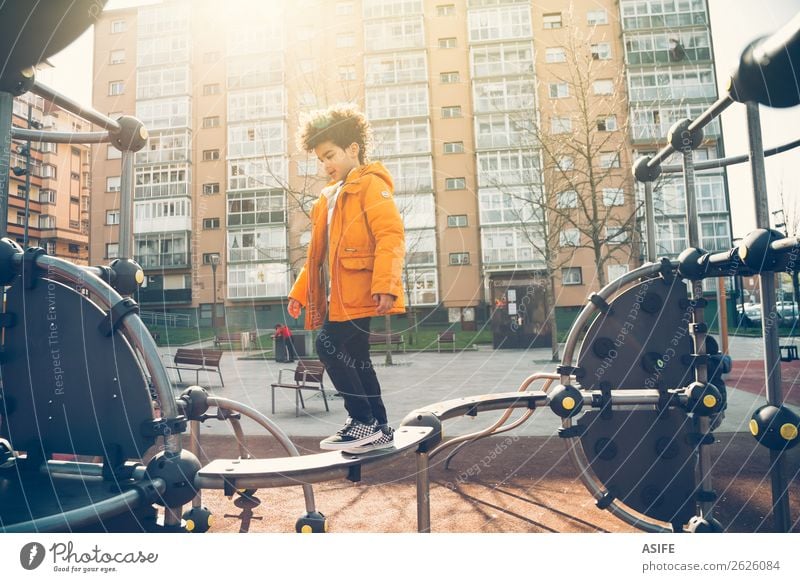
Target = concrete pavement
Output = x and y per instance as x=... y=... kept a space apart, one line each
x=420 y=379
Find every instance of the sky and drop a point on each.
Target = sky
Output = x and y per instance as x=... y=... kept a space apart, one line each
x=734 y=24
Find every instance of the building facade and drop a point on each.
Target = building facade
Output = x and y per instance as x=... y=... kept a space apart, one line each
x=476 y=111
x=54 y=178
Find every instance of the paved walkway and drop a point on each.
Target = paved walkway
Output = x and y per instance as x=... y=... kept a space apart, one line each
x=420 y=379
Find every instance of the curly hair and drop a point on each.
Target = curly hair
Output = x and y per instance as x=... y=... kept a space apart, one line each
x=341 y=124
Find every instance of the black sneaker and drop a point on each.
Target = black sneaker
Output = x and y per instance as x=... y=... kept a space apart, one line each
x=353 y=435
x=385 y=441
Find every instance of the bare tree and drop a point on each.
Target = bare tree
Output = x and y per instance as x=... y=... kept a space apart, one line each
x=579 y=198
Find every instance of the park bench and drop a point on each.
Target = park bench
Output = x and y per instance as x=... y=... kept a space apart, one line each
x=197 y=360
x=234 y=338
x=395 y=339
x=791 y=353
x=308 y=375
x=446 y=337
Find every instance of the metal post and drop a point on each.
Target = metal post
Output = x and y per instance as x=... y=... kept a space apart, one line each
x=701 y=423
x=27 y=180
x=649 y=212
x=214 y=264
x=423 y=494
x=126 y=206
x=772 y=361
x=6 y=110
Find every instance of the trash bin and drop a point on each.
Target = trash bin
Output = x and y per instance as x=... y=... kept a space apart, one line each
x=302 y=343
x=280 y=350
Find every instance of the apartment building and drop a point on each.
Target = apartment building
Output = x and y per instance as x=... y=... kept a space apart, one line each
x=474 y=108
x=49 y=207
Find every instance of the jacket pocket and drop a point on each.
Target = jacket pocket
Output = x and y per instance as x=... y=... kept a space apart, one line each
x=358 y=263
x=355 y=281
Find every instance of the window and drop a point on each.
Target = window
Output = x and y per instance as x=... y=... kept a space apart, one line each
x=49 y=171
x=457 y=220
x=451 y=111
x=210 y=155
x=616 y=271
x=112 y=217
x=47 y=196
x=113 y=183
x=344 y=8
x=446 y=10
x=212 y=121
x=116 y=88
x=307 y=168
x=555 y=55
x=560 y=125
x=459 y=258
x=500 y=23
x=616 y=235
x=453 y=147
x=211 y=188
x=571 y=276
x=116 y=57
x=20 y=218
x=567 y=199
x=601 y=51
x=211 y=57
x=552 y=20
x=595 y=17
x=73 y=248
x=608 y=123
x=113 y=153
x=347 y=73
x=447 y=43
x=455 y=183
x=613 y=196
x=449 y=77
x=112 y=250
x=212 y=89
x=118 y=26
x=566 y=163
x=558 y=90
x=210 y=223
x=603 y=87
x=346 y=40
x=569 y=237
x=262 y=207
x=609 y=160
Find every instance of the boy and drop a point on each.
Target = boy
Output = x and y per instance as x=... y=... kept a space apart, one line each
x=353 y=270
x=284 y=346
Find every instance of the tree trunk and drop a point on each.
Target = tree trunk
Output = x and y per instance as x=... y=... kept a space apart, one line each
x=550 y=295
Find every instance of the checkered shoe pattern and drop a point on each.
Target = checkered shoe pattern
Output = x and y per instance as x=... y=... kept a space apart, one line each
x=385 y=441
x=354 y=434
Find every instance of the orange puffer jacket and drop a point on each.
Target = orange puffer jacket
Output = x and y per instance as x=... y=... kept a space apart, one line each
x=367 y=246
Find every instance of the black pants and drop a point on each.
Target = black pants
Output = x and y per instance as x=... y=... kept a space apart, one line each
x=343 y=346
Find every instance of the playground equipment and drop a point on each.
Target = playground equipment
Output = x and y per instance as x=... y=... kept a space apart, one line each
x=637 y=403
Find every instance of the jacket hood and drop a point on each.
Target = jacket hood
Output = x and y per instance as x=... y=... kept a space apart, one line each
x=374 y=168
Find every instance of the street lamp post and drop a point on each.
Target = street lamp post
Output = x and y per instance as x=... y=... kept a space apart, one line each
x=214 y=258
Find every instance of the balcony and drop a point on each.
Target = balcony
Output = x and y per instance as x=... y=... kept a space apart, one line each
x=145 y=296
x=164 y=261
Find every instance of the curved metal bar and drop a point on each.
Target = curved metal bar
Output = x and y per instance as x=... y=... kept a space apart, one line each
x=574 y=449
x=493 y=428
x=645 y=270
x=598 y=491
x=83 y=516
x=463 y=444
x=61 y=136
x=136 y=332
x=273 y=429
x=241 y=440
x=73 y=106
